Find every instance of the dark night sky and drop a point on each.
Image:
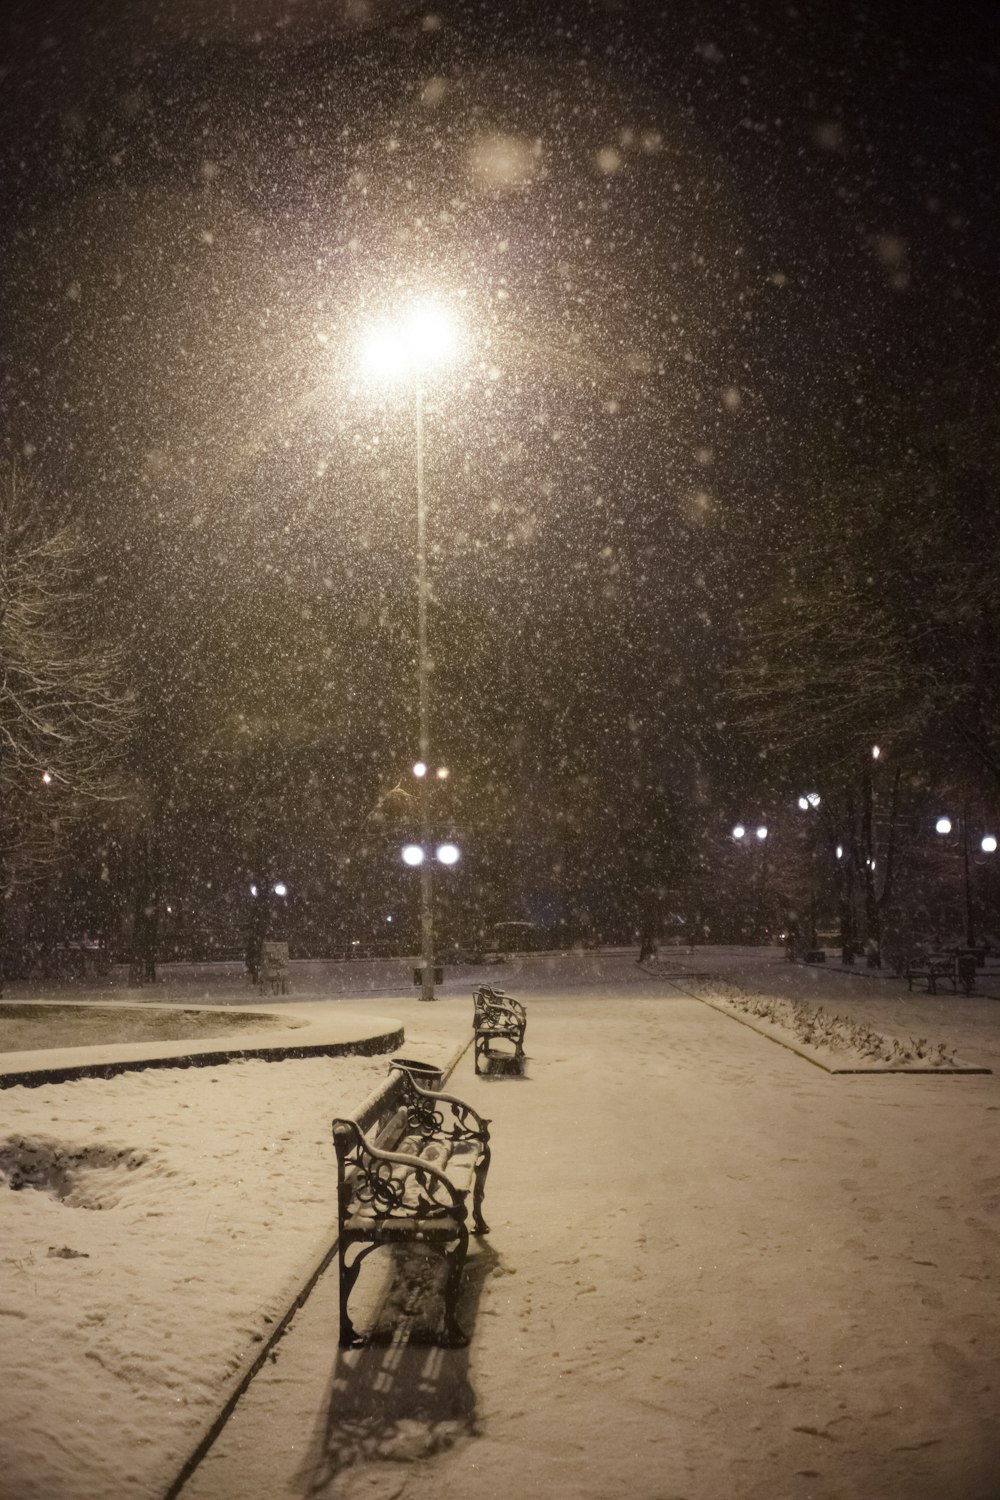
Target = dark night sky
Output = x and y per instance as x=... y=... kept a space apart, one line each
x=696 y=246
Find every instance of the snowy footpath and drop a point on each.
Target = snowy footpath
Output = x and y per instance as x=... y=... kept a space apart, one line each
x=715 y=1270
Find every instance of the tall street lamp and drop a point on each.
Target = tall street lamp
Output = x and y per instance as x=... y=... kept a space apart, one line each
x=408 y=349
x=987 y=844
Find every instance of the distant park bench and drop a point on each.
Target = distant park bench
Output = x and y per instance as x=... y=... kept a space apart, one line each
x=274 y=968
x=958 y=968
x=405 y=1167
x=498 y=1018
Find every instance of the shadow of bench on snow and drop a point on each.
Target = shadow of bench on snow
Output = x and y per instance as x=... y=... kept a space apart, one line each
x=403 y=1396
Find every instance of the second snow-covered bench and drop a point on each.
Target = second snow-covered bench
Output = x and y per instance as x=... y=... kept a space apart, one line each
x=498 y=1017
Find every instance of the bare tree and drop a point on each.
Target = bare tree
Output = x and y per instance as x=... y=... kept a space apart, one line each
x=63 y=715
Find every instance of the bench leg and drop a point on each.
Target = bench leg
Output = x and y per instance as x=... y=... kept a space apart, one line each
x=454 y=1336
x=349 y=1336
x=479 y=1223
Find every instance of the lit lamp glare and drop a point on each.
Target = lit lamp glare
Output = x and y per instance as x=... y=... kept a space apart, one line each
x=762 y=832
x=739 y=831
x=425 y=336
x=989 y=844
x=413 y=855
x=943 y=825
x=448 y=854
x=419 y=769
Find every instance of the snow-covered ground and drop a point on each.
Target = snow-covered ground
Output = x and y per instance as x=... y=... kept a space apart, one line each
x=714 y=1269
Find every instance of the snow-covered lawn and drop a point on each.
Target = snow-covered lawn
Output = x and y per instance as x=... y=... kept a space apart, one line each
x=714 y=1269
x=126 y=1303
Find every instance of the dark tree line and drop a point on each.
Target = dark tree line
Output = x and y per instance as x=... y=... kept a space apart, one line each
x=869 y=669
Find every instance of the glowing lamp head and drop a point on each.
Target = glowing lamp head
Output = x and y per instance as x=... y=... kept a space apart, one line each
x=739 y=831
x=419 y=769
x=989 y=844
x=762 y=832
x=448 y=854
x=943 y=825
x=422 y=338
x=413 y=855
x=281 y=889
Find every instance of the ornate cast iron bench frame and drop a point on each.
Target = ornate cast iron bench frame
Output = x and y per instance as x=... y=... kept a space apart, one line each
x=386 y=1196
x=498 y=1017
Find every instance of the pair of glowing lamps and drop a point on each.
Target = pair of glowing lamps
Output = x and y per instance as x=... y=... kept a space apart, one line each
x=445 y=854
x=420 y=770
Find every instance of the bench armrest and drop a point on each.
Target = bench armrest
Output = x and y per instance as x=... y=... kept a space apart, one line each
x=366 y=1172
x=426 y=1113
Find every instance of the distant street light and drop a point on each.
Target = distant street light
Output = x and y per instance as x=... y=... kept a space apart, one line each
x=408 y=349
x=739 y=833
x=987 y=844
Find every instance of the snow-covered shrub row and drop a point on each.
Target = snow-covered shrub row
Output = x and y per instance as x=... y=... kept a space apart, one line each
x=815 y=1027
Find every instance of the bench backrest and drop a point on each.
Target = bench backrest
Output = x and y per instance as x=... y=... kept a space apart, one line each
x=490 y=1004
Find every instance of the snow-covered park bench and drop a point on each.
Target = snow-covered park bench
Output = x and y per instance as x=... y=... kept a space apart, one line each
x=498 y=1018
x=931 y=968
x=405 y=1168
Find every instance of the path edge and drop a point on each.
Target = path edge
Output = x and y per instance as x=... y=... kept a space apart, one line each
x=253 y=1360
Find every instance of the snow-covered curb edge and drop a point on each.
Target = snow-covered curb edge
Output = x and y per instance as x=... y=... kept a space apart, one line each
x=290 y=1301
x=773 y=1034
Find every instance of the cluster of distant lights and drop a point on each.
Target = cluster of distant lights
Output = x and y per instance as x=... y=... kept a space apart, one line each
x=809 y=801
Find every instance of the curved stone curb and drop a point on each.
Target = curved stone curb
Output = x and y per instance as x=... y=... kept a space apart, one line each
x=33 y=1078
x=256 y=1357
x=920 y=1069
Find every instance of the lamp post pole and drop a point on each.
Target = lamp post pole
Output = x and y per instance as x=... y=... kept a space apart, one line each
x=406 y=348
x=423 y=681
